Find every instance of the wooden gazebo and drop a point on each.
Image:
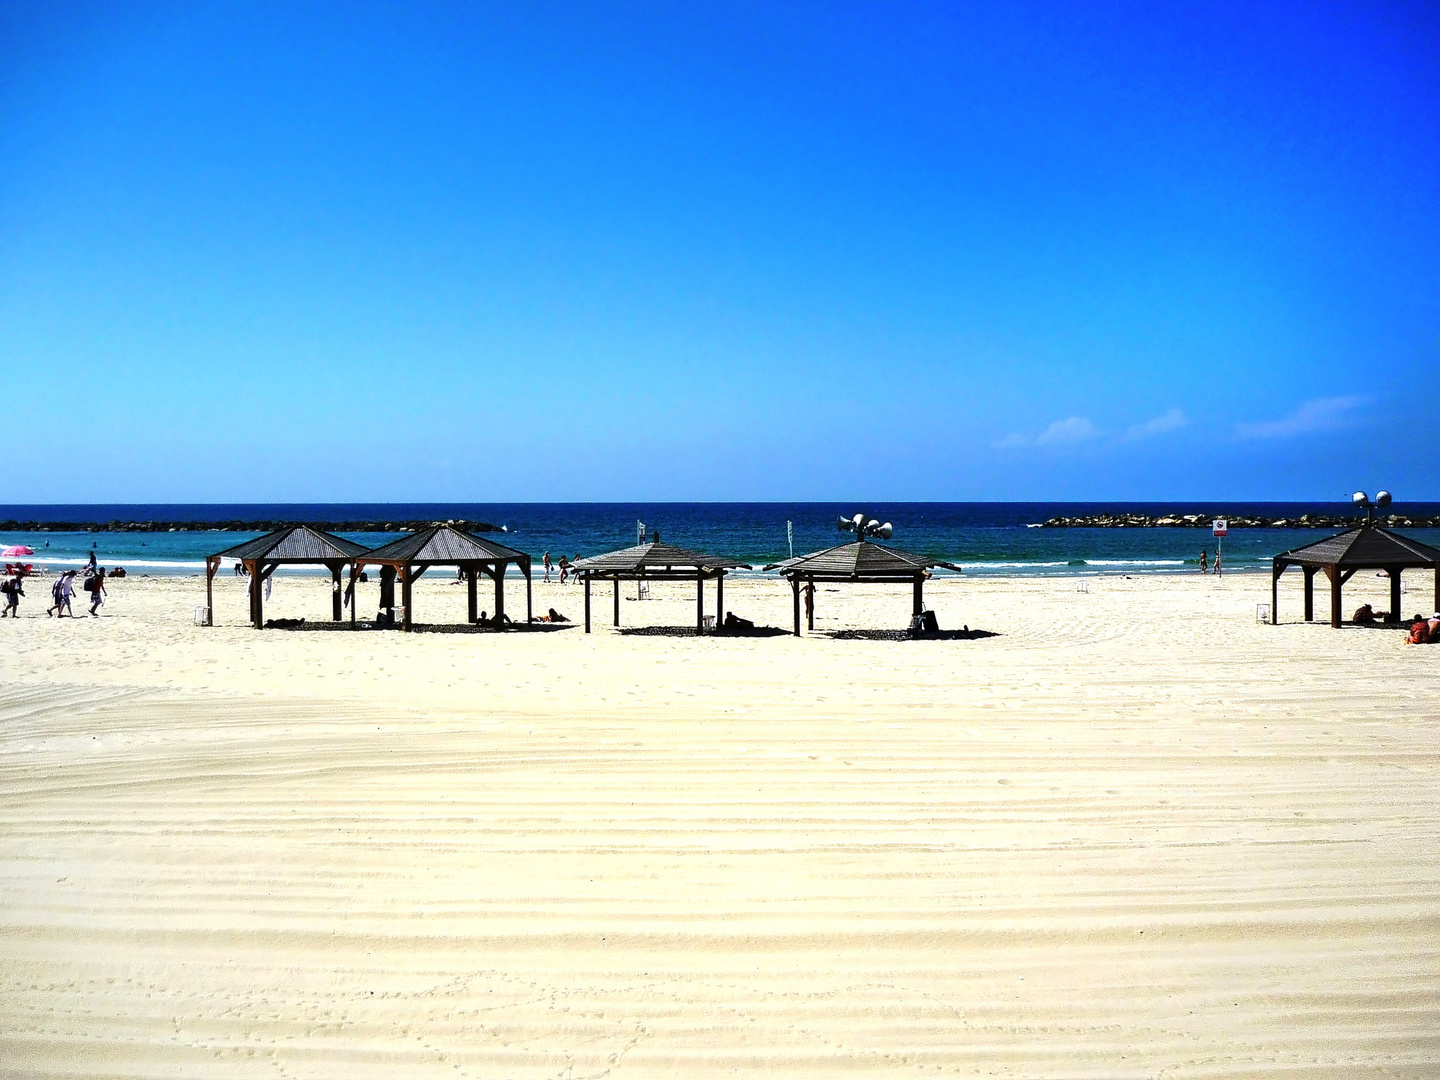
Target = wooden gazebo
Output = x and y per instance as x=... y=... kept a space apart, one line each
x=658 y=562
x=296 y=545
x=1369 y=547
x=444 y=545
x=861 y=561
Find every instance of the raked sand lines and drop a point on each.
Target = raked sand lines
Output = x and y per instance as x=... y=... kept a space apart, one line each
x=1082 y=878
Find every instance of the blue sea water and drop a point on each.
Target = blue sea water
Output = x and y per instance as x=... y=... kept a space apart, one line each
x=986 y=538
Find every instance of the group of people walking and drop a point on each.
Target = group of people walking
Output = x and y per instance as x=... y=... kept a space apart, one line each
x=1205 y=561
x=565 y=566
x=62 y=592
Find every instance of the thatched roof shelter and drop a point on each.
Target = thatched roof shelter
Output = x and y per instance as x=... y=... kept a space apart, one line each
x=859 y=561
x=655 y=561
x=444 y=545
x=295 y=545
x=1369 y=547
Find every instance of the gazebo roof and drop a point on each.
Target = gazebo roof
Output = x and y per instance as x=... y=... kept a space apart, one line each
x=1366 y=547
x=860 y=560
x=443 y=544
x=295 y=543
x=654 y=556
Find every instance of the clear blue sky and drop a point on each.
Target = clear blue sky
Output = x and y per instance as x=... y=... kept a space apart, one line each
x=719 y=251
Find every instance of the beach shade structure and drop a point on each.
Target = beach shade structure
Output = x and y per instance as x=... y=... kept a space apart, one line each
x=655 y=561
x=444 y=545
x=1368 y=547
x=294 y=545
x=862 y=561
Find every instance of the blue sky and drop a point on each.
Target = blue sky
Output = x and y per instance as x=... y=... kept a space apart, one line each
x=687 y=251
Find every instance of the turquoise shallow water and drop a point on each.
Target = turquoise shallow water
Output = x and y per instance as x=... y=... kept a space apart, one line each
x=986 y=538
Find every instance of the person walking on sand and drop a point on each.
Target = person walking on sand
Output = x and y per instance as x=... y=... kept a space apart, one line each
x=564 y=570
x=95 y=585
x=546 y=560
x=13 y=591
x=65 y=593
x=1204 y=561
x=1217 y=562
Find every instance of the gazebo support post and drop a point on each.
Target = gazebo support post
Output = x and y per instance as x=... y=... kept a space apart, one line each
x=1276 y=569
x=810 y=610
x=587 y=603
x=405 y=577
x=1333 y=572
x=257 y=603
x=1310 y=592
x=795 y=588
x=1437 y=588
x=354 y=590
x=1394 y=572
x=720 y=598
x=499 y=592
x=919 y=596
x=212 y=564
x=472 y=589
x=337 y=586
x=700 y=600
x=529 y=607
x=616 y=583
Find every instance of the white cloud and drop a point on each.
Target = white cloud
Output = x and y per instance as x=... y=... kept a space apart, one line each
x=1061 y=433
x=1321 y=414
x=1168 y=421
x=1073 y=430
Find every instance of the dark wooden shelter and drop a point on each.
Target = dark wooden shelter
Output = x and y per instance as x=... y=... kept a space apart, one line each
x=1369 y=547
x=861 y=561
x=295 y=545
x=444 y=545
x=656 y=561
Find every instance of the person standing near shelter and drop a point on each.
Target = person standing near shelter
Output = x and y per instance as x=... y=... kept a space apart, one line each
x=1204 y=560
x=809 y=593
x=546 y=560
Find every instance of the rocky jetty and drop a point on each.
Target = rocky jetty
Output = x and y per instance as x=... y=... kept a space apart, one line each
x=1236 y=521
x=238 y=526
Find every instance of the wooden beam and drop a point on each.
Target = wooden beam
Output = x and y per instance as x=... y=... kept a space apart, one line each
x=720 y=598
x=1395 y=572
x=616 y=585
x=405 y=594
x=529 y=605
x=212 y=564
x=919 y=595
x=1336 y=581
x=499 y=592
x=587 y=603
x=795 y=588
x=700 y=600
x=1310 y=592
x=1276 y=569
x=354 y=590
x=336 y=587
x=257 y=603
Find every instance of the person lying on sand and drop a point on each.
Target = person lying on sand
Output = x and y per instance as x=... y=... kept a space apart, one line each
x=551 y=616
x=734 y=622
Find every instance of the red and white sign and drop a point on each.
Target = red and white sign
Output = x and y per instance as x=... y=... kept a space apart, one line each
x=1221 y=527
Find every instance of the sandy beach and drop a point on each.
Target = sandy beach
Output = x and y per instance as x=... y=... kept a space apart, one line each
x=1136 y=833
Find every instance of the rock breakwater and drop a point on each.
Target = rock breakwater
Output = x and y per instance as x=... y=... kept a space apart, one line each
x=1235 y=521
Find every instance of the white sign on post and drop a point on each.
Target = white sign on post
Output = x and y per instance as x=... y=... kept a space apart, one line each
x=1221 y=527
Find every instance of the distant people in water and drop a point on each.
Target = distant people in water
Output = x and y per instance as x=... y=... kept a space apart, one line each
x=13 y=590
x=545 y=559
x=1204 y=560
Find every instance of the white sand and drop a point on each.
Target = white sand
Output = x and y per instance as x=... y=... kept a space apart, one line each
x=1135 y=834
